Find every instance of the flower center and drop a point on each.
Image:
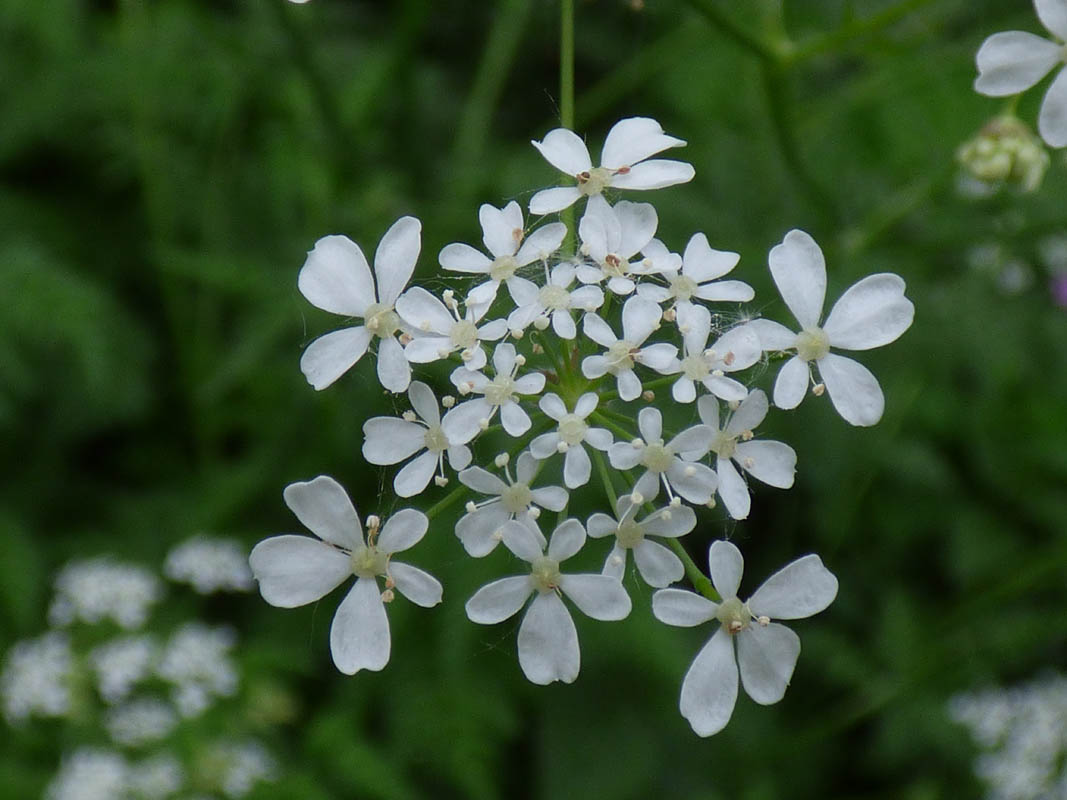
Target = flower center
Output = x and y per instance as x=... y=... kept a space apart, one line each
x=503 y=268
x=436 y=440
x=594 y=181
x=734 y=615
x=812 y=344
x=555 y=298
x=464 y=334
x=614 y=266
x=381 y=320
x=682 y=287
x=544 y=574
x=369 y=561
x=620 y=357
x=629 y=534
x=724 y=446
x=499 y=390
x=695 y=367
x=516 y=498
x=572 y=429
x=657 y=457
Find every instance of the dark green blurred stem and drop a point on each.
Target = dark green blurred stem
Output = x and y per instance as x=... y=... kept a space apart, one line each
x=767 y=50
x=566 y=101
x=837 y=40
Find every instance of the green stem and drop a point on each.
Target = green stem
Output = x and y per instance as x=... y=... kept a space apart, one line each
x=768 y=51
x=598 y=416
x=699 y=580
x=655 y=384
x=605 y=477
x=446 y=501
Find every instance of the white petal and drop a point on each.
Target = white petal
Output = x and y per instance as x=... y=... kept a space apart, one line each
x=482 y=481
x=395 y=258
x=460 y=257
x=657 y=565
x=459 y=456
x=1052 y=121
x=600 y=438
x=359 y=635
x=394 y=372
x=657 y=173
x=624 y=455
x=554 y=498
x=696 y=488
x=553 y=406
x=389 y=440
x=502 y=228
x=695 y=321
x=588 y=298
x=725 y=388
x=515 y=421
x=403 y=530
x=693 y=440
x=659 y=356
x=628 y=385
x=1012 y=62
x=322 y=505
x=541 y=244
x=871 y=313
x=526 y=467
x=463 y=422
x=682 y=608
x=725 y=292
x=330 y=356
x=709 y=690
x=577 y=468
x=772 y=335
x=421 y=588
x=476 y=530
x=600 y=525
x=544 y=446
x=415 y=476
x=565 y=151
x=615 y=563
x=733 y=490
x=427 y=349
x=598 y=330
x=1053 y=15
x=792 y=383
x=566 y=540
x=637 y=222
x=335 y=277
x=774 y=463
x=703 y=263
x=504 y=358
x=647 y=486
x=639 y=318
x=656 y=294
x=799 y=272
x=424 y=402
x=672 y=523
x=726 y=565
x=650 y=423
x=635 y=139
x=740 y=345
x=684 y=390
x=548 y=642
x=601 y=597
x=295 y=570
x=853 y=389
x=424 y=312
x=708 y=409
x=548 y=201
x=532 y=383
x=563 y=324
x=523 y=537
x=796 y=591
x=499 y=600
x=749 y=414
x=522 y=291
x=767 y=655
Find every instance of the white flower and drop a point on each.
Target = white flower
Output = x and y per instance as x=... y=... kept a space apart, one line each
x=502 y=234
x=871 y=313
x=548 y=640
x=295 y=570
x=90 y=774
x=640 y=318
x=611 y=237
x=96 y=589
x=569 y=435
x=140 y=721
x=1013 y=61
x=774 y=463
x=657 y=565
x=336 y=278
x=439 y=333
x=209 y=565
x=480 y=529
x=624 y=163
x=246 y=763
x=737 y=349
x=766 y=650
x=196 y=661
x=468 y=418
x=671 y=463
x=156 y=778
x=700 y=266
x=37 y=678
x=390 y=440
x=121 y=664
x=554 y=300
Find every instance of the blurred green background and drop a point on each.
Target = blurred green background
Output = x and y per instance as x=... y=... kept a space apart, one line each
x=164 y=167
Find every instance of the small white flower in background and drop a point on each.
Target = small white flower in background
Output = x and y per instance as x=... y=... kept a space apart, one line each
x=548 y=640
x=244 y=764
x=502 y=234
x=96 y=589
x=569 y=436
x=140 y=721
x=640 y=318
x=700 y=266
x=390 y=440
x=672 y=463
x=120 y=664
x=658 y=566
x=625 y=163
x=210 y=565
x=737 y=349
x=90 y=773
x=871 y=313
x=37 y=678
x=611 y=236
x=501 y=392
x=156 y=778
x=196 y=660
x=440 y=332
x=1013 y=61
x=337 y=278
x=767 y=652
x=773 y=463
x=296 y=570
x=554 y=301
x=481 y=528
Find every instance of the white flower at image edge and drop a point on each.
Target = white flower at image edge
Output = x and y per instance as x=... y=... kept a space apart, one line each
x=336 y=278
x=766 y=651
x=1013 y=61
x=548 y=640
x=871 y=313
x=296 y=570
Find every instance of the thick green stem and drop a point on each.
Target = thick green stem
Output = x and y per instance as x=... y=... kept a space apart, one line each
x=446 y=501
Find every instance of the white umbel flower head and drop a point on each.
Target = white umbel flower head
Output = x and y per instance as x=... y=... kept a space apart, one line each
x=337 y=278
x=120 y=664
x=658 y=566
x=502 y=234
x=871 y=313
x=197 y=662
x=569 y=436
x=548 y=640
x=554 y=301
x=737 y=349
x=210 y=565
x=672 y=463
x=295 y=570
x=1013 y=61
x=90 y=773
x=481 y=528
x=767 y=651
x=500 y=392
x=439 y=332
x=625 y=163
x=37 y=678
x=773 y=463
x=611 y=236
x=389 y=440
x=701 y=265
x=95 y=589
x=640 y=318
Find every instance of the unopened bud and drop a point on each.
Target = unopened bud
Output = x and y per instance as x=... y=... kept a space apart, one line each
x=409 y=416
x=648 y=395
x=541 y=323
x=1005 y=151
x=448 y=401
x=374 y=522
x=711 y=503
x=502 y=460
x=516 y=333
x=734 y=405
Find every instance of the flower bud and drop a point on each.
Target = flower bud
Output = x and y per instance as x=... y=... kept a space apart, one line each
x=1005 y=152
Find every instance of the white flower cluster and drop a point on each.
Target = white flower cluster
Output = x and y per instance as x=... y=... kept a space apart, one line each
x=209 y=565
x=36 y=678
x=1023 y=735
x=96 y=589
x=590 y=321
